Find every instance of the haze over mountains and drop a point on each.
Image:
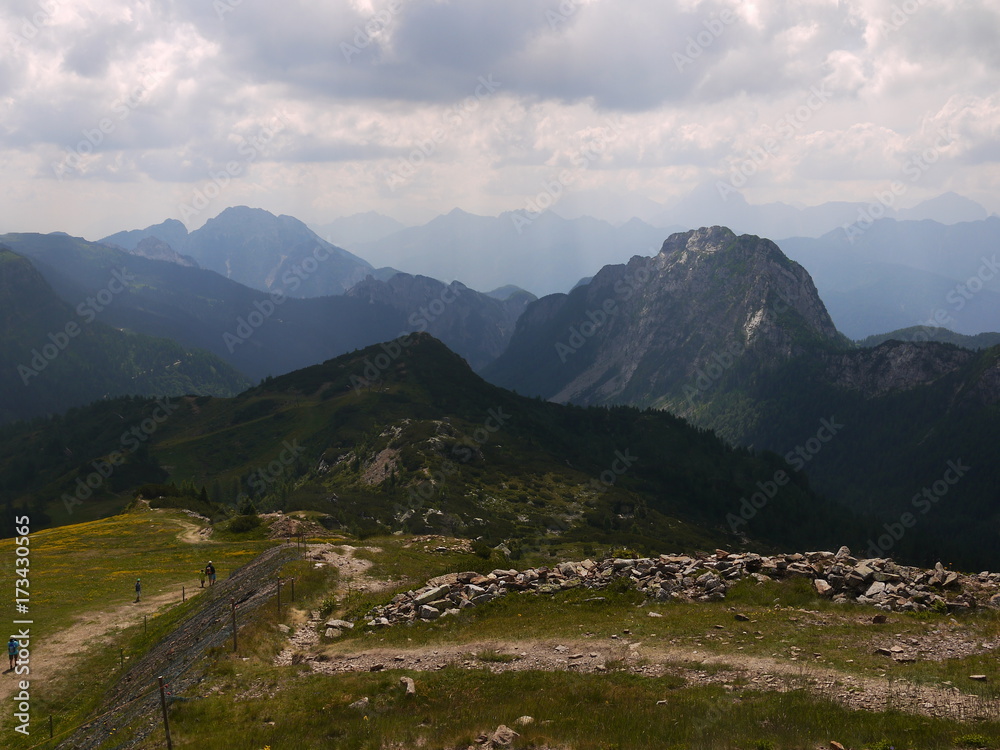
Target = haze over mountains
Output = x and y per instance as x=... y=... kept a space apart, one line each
x=883 y=276
x=722 y=329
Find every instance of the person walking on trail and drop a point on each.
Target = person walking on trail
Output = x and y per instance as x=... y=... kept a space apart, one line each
x=210 y=569
x=138 y=589
x=12 y=648
x=201 y=576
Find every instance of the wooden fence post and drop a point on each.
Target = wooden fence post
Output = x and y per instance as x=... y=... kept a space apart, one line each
x=166 y=722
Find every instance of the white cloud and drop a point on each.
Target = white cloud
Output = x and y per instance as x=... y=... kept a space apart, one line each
x=181 y=88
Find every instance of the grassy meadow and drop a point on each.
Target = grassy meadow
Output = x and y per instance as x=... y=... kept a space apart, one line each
x=247 y=702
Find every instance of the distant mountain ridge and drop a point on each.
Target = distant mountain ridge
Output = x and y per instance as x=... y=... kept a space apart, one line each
x=55 y=356
x=348 y=231
x=475 y=325
x=546 y=255
x=261 y=250
x=898 y=274
x=941 y=335
x=268 y=334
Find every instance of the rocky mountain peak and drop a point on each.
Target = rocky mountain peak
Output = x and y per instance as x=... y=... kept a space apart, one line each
x=704 y=241
x=644 y=332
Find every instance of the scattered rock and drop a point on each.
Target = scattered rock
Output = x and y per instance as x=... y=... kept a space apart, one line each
x=523 y=721
x=360 y=705
x=409 y=684
x=978 y=677
x=503 y=736
x=840 y=577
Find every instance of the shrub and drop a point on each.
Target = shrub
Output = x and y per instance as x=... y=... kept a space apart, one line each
x=243 y=524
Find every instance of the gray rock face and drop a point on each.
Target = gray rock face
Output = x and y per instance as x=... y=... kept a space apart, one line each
x=877 y=582
x=647 y=328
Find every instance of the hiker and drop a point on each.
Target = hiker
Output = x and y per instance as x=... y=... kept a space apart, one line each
x=138 y=589
x=210 y=569
x=12 y=647
x=201 y=576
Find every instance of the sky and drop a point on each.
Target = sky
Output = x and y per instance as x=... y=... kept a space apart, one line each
x=117 y=115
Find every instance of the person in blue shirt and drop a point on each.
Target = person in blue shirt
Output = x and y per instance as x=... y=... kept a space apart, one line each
x=12 y=648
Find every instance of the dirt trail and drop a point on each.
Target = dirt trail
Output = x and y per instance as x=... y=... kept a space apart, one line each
x=191 y=533
x=353 y=577
x=735 y=671
x=131 y=701
x=57 y=653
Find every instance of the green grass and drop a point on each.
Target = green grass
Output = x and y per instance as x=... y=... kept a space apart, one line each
x=786 y=620
x=81 y=570
x=247 y=702
x=256 y=707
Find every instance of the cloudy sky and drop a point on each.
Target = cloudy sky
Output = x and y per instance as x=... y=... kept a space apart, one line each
x=117 y=114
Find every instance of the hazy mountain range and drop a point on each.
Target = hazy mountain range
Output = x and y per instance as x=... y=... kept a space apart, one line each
x=723 y=329
x=260 y=250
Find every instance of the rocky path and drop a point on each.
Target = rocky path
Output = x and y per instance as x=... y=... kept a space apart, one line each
x=735 y=672
x=353 y=576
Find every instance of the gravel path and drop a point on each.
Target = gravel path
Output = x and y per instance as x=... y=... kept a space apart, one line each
x=133 y=703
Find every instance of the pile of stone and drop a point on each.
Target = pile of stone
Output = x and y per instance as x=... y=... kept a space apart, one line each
x=838 y=576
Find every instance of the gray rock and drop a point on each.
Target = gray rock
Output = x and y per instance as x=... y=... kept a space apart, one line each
x=431 y=594
x=428 y=612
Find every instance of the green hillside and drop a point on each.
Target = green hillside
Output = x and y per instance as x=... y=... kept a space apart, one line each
x=54 y=356
x=409 y=438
